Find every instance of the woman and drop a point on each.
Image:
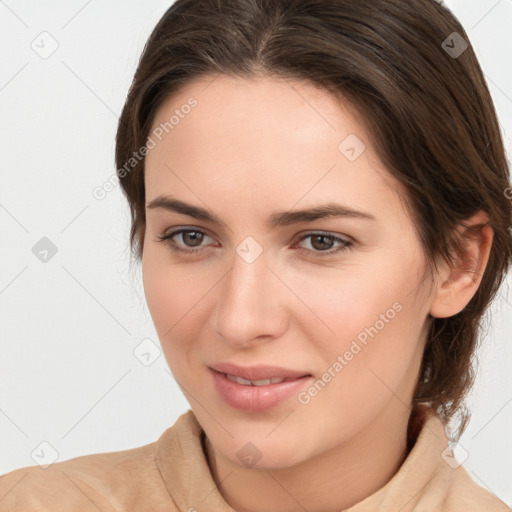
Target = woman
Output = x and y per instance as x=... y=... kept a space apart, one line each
x=318 y=199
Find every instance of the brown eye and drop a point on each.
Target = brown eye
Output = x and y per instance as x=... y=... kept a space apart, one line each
x=192 y=238
x=322 y=244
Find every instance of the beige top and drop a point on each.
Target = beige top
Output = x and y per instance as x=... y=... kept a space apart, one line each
x=172 y=474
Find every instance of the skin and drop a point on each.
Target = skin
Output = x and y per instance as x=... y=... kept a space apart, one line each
x=249 y=148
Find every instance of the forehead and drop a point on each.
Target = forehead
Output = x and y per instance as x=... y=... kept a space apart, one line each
x=298 y=112
x=263 y=138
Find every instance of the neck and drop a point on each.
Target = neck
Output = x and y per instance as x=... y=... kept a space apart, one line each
x=333 y=480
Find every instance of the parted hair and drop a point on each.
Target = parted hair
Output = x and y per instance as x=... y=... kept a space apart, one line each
x=418 y=89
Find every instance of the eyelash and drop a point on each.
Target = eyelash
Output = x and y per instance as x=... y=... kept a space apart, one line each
x=316 y=254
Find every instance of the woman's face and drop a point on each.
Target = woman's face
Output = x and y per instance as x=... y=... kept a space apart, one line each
x=346 y=308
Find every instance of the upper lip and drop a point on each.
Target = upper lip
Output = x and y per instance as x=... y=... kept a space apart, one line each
x=258 y=372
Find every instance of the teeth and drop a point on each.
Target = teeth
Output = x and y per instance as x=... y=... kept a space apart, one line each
x=246 y=382
x=276 y=380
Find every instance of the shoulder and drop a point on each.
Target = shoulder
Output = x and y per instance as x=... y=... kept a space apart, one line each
x=466 y=493
x=439 y=481
x=112 y=481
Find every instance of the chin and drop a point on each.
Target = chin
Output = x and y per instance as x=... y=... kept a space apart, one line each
x=265 y=455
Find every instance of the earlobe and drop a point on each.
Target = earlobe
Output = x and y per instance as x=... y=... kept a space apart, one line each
x=456 y=285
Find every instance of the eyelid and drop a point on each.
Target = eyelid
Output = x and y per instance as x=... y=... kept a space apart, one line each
x=179 y=229
x=308 y=232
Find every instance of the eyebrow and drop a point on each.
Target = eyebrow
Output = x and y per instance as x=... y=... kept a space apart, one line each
x=283 y=218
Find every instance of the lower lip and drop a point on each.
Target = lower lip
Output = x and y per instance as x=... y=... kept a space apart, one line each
x=256 y=398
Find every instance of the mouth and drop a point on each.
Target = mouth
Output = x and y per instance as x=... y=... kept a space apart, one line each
x=257 y=395
x=257 y=374
x=260 y=382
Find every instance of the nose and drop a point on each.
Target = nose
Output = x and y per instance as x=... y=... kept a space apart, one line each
x=250 y=304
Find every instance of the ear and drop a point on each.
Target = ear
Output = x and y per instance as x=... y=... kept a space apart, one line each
x=457 y=284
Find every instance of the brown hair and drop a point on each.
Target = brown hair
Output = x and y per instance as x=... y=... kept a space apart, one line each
x=428 y=112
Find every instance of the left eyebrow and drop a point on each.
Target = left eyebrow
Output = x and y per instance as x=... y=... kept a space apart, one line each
x=282 y=218
x=318 y=212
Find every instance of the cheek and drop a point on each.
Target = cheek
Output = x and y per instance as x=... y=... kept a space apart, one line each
x=176 y=298
x=170 y=290
x=369 y=363
x=359 y=300
x=165 y=292
x=374 y=325
x=168 y=301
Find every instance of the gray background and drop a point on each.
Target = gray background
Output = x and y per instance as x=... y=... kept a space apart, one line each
x=70 y=326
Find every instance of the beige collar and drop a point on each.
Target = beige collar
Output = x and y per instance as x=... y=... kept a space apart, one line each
x=421 y=483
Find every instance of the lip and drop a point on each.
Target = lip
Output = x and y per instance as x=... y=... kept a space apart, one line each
x=256 y=398
x=258 y=372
